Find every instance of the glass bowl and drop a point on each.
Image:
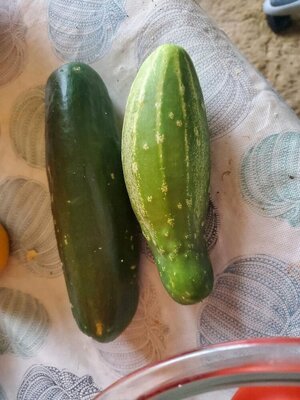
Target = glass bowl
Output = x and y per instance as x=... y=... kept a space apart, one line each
x=258 y=369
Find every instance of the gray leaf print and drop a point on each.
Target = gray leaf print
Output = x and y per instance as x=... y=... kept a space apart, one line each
x=26 y=212
x=255 y=296
x=2 y=394
x=211 y=226
x=12 y=41
x=84 y=30
x=42 y=382
x=24 y=323
x=27 y=122
x=270 y=177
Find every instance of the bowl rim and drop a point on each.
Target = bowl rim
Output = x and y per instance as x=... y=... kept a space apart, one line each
x=197 y=352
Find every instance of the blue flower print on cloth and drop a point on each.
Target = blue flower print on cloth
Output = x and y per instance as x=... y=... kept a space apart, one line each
x=270 y=177
x=42 y=382
x=255 y=296
x=226 y=85
x=84 y=30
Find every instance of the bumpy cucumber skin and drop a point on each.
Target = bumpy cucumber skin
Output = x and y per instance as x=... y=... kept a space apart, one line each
x=166 y=163
x=95 y=226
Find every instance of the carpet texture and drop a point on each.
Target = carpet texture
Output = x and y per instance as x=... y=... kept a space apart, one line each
x=277 y=57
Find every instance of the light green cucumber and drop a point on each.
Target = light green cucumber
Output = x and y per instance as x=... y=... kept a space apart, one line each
x=166 y=163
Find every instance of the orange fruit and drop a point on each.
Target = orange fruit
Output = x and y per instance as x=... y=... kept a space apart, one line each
x=4 y=247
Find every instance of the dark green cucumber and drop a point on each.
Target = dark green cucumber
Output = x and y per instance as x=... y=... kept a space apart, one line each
x=166 y=162
x=94 y=223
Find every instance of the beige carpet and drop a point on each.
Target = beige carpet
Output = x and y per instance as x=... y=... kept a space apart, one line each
x=276 y=56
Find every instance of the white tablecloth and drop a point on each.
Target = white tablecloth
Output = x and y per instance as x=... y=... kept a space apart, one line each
x=253 y=223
